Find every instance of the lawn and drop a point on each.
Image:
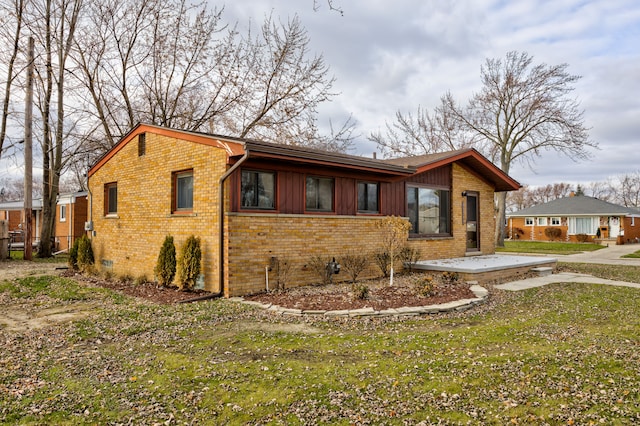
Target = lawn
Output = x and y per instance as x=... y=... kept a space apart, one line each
x=560 y=354
x=547 y=247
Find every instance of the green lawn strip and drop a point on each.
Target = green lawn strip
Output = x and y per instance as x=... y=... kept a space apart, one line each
x=547 y=247
x=634 y=255
x=57 y=288
x=626 y=273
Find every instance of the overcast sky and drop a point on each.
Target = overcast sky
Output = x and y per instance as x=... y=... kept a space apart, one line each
x=397 y=55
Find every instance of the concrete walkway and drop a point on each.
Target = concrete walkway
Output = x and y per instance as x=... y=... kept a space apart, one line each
x=607 y=256
x=563 y=277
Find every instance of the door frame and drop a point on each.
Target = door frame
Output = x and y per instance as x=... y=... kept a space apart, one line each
x=475 y=195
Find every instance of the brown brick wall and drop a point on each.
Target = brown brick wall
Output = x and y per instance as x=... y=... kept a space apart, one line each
x=535 y=232
x=631 y=227
x=131 y=241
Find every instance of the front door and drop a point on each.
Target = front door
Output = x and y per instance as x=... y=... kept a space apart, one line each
x=472 y=222
x=614 y=227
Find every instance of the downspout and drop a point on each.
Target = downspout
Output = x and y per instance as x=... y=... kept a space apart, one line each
x=223 y=178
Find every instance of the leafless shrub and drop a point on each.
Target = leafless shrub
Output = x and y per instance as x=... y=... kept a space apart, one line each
x=354 y=264
x=318 y=264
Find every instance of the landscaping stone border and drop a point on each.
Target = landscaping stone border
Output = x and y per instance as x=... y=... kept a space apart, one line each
x=459 y=305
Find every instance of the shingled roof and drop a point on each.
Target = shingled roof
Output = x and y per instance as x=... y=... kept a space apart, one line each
x=577 y=206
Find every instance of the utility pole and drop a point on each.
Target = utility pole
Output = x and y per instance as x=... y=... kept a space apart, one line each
x=28 y=155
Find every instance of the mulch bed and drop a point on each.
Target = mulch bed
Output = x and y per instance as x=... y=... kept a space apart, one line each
x=148 y=291
x=327 y=297
x=381 y=296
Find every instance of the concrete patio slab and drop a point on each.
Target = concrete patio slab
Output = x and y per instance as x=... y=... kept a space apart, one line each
x=484 y=263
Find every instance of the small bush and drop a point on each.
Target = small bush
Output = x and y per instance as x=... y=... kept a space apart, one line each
x=409 y=255
x=85 y=258
x=140 y=279
x=425 y=285
x=126 y=278
x=582 y=238
x=73 y=255
x=360 y=291
x=319 y=265
x=281 y=268
x=517 y=233
x=354 y=264
x=165 y=269
x=553 y=233
x=383 y=261
x=189 y=263
x=449 y=277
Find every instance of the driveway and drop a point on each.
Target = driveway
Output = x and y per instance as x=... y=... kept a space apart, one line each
x=611 y=255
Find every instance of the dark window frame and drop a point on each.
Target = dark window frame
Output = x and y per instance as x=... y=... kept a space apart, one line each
x=316 y=206
x=367 y=185
x=256 y=190
x=142 y=144
x=448 y=220
x=111 y=198
x=175 y=188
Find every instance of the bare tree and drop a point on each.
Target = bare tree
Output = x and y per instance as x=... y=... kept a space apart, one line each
x=602 y=190
x=53 y=22
x=286 y=86
x=627 y=189
x=176 y=65
x=521 y=111
x=421 y=134
x=11 y=25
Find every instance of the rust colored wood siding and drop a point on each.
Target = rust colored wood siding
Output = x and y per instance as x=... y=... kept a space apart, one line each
x=291 y=181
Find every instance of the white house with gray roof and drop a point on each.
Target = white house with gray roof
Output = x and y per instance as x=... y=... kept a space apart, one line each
x=576 y=218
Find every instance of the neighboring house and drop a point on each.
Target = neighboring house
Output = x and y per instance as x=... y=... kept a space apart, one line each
x=255 y=204
x=576 y=218
x=13 y=211
x=71 y=215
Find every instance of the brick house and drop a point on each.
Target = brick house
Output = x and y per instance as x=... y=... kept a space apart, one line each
x=576 y=218
x=254 y=203
x=70 y=217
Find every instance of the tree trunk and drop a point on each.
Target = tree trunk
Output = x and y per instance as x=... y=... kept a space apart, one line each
x=501 y=201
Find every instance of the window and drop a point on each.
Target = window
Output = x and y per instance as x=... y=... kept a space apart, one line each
x=368 y=197
x=111 y=198
x=555 y=221
x=528 y=221
x=542 y=221
x=142 y=144
x=429 y=211
x=583 y=225
x=63 y=213
x=258 y=190
x=319 y=194
x=182 y=191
